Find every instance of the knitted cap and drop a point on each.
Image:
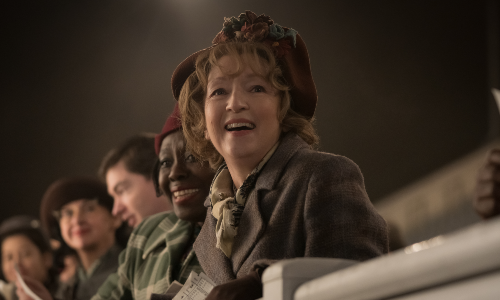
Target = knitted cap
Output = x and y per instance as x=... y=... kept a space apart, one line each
x=66 y=190
x=289 y=49
x=172 y=124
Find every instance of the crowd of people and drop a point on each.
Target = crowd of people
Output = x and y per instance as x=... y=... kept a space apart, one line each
x=231 y=184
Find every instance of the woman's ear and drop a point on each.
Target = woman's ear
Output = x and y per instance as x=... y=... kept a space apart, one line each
x=207 y=137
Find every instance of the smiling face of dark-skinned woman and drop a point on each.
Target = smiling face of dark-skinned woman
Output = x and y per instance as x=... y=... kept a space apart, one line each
x=184 y=179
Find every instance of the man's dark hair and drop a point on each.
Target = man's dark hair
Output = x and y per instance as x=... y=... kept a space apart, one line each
x=137 y=153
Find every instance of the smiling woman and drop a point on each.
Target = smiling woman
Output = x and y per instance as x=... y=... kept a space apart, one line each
x=24 y=244
x=247 y=105
x=182 y=178
x=78 y=209
x=160 y=250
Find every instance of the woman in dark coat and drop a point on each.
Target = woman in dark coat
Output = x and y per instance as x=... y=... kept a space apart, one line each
x=248 y=103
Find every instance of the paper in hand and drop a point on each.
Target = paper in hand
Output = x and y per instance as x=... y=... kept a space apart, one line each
x=26 y=289
x=196 y=287
x=174 y=288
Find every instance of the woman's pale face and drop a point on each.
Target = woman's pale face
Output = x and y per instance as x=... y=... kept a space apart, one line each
x=19 y=249
x=241 y=113
x=86 y=225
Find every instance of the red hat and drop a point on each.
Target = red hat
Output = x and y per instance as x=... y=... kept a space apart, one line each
x=172 y=124
x=287 y=45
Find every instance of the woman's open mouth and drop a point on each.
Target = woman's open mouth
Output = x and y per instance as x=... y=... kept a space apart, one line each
x=183 y=195
x=239 y=126
x=185 y=192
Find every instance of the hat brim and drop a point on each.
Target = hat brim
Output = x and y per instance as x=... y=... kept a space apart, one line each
x=296 y=69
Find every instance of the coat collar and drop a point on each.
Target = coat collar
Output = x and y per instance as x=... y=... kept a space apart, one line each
x=252 y=224
x=290 y=144
x=220 y=268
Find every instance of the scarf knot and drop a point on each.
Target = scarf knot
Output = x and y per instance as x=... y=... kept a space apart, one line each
x=228 y=206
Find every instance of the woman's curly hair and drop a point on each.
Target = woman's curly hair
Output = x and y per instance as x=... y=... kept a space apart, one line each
x=261 y=59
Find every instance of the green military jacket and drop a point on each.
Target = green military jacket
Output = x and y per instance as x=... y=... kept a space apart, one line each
x=158 y=252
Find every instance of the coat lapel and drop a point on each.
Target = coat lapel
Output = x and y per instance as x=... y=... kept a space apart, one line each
x=213 y=261
x=252 y=225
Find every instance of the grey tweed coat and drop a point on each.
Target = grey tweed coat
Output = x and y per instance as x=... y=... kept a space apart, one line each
x=305 y=204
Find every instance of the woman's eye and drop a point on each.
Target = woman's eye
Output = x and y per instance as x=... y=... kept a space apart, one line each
x=66 y=213
x=166 y=163
x=218 y=92
x=190 y=158
x=26 y=254
x=91 y=207
x=258 y=89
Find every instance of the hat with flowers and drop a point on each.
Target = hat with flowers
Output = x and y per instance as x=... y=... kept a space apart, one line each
x=287 y=46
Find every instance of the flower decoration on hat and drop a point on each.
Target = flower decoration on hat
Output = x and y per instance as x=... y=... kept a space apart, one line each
x=248 y=26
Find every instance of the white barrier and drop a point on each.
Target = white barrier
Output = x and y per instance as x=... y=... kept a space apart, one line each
x=440 y=268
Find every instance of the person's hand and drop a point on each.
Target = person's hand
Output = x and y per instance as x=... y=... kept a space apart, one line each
x=248 y=287
x=487 y=193
x=36 y=286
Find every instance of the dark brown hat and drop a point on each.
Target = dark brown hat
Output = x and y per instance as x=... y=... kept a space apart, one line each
x=66 y=190
x=287 y=45
x=27 y=226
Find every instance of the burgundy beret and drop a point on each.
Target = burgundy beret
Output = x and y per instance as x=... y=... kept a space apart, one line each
x=172 y=124
x=66 y=190
x=290 y=51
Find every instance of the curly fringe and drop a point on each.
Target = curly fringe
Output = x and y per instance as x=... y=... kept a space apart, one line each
x=192 y=96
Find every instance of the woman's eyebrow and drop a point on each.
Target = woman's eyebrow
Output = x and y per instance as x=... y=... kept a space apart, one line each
x=218 y=79
x=163 y=153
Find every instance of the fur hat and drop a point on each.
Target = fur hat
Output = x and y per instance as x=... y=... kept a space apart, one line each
x=172 y=124
x=66 y=190
x=287 y=45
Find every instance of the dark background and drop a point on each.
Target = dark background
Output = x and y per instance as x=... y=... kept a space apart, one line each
x=403 y=85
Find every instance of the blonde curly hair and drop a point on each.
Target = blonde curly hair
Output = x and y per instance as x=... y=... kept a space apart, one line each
x=193 y=93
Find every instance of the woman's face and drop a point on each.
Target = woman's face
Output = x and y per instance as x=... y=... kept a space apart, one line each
x=183 y=179
x=19 y=249
x=241 y=113
x=86 y=225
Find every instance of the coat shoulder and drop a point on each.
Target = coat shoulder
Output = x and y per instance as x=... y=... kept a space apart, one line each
x=317 y=162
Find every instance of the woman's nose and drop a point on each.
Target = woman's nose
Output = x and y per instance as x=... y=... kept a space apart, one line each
x=178 y=171
x=78 y=216
x=237 y=101
x=18 y=261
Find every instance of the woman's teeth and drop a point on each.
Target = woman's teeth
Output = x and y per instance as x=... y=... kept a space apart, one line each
x=237 y=125
x=185 y=192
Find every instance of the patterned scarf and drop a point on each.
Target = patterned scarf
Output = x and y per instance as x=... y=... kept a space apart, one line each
x=226 y=207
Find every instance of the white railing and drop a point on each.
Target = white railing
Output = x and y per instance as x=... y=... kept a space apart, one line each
x=461 y=265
